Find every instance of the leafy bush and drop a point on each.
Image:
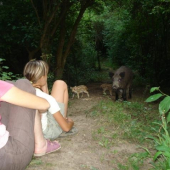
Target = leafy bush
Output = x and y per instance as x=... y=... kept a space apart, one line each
x=162 y=139
x=4 y=75
x=80 y=68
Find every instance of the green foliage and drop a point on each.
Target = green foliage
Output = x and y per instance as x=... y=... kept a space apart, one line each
x=135 y=161
x=126 y=116
x=4 y=74
x=113 y=36
x=134 y=33
x=130 y=28
x=127 y=121
x=80 y=66
x=162 y=139
x=154 y=97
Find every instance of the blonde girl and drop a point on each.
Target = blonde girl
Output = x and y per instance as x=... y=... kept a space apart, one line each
x=55 y=120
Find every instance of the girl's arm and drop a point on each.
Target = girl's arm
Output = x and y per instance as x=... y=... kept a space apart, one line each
x=65 y=124
x=24 y=99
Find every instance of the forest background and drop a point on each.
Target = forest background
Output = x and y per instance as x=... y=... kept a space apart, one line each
x=75 y=36
x=80 y=38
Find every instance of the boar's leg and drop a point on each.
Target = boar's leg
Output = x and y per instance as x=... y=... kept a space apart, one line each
x=130 y=93
x=124 y=95
x=117 y=94
x=120 y=94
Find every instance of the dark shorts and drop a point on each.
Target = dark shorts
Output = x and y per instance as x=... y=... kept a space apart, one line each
x=18 y=151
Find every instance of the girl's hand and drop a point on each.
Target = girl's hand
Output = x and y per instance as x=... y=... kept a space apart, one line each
x=69 y=120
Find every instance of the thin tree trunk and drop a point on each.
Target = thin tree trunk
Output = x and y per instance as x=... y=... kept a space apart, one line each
x=32 y=53
x=59 y=58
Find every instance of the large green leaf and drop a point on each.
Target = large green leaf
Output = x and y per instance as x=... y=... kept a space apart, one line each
x=168 y=117
x=156 y=155
x=156 y=139
x=167 y=154
x=154 y=89
x=164 y=105
x=163 y=148
x=166 y=138
x=153 y=97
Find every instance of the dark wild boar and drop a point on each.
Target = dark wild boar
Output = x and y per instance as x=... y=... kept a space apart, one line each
x=122 y=81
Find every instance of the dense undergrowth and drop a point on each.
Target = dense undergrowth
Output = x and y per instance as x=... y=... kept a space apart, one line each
x=137 y=122
x=124 y=121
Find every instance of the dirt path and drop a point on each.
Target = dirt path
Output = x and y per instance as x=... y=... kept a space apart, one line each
x=81 y=151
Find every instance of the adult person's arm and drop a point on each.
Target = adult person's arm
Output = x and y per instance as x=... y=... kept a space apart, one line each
x=24 y=99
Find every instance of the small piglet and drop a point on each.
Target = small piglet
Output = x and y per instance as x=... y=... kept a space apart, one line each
x=122 y=80
x=79 y=89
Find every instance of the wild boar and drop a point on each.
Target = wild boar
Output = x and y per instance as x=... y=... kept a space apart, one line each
x=122 y=81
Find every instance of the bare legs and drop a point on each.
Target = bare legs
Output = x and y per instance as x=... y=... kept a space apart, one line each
x=42 y=146
x=40 y=141
x=60 y=93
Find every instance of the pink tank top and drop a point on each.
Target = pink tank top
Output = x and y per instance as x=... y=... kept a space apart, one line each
x=4 y=87
x=4 y=134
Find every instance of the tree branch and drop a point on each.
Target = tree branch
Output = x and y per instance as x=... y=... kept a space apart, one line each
x=36 y=12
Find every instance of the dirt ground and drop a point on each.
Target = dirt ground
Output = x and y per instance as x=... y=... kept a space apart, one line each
x=81 y=151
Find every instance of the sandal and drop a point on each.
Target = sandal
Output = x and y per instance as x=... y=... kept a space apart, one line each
x=52 y=146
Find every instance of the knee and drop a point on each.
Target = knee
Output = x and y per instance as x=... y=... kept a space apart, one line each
x=60 y=83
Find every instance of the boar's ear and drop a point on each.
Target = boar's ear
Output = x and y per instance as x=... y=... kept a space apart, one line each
x=122 y=74
x=111 y=74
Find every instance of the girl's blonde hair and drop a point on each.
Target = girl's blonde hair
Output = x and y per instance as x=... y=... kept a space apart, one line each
x=35 y=69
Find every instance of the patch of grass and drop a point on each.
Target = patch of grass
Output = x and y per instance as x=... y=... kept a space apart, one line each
x=88 y=167
x=136 y=160
x=159 y=165
x=93 y=168
x=49 y=164
x=124 y=121
x=122 y=167
x=101 y=130
x=104 y=142
x=130 y=118
x=35 y=162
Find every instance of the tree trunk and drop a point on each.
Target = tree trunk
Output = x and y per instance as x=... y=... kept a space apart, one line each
x=32 y=53
x=53 y=19
x=98 y=60
x=59 y=58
